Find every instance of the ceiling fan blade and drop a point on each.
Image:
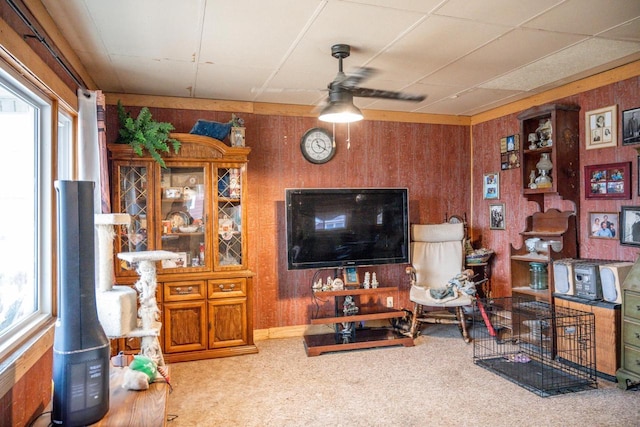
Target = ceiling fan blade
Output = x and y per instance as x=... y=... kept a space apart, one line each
x=358 y=76
x=386 y=94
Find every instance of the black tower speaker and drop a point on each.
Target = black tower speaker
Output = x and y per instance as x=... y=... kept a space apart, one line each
x=80 y=348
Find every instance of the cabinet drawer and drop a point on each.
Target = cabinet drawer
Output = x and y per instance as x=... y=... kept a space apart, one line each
x=632 y=360
x=631 y=333
x=225 y=288
x=183 y=291
x=631 y=305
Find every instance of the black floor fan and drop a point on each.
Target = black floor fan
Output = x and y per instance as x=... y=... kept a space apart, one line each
x=80 y=348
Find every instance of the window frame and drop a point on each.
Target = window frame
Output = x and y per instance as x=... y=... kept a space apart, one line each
x=44 y=247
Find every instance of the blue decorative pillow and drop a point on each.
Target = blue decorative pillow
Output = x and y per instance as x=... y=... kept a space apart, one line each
x=212 y=129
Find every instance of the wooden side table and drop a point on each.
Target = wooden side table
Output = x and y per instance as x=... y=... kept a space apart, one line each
x=483 y=269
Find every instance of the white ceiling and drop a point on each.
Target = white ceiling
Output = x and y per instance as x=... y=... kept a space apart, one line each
x=467 y=56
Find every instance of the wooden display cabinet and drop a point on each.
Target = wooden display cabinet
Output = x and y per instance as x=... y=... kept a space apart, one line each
x=562 y=147
x=550 y=225
x=347 y=335
x=629 y=373
x=194 y=207
x=607 y=331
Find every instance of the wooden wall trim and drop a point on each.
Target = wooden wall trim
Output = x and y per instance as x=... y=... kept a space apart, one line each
x=13 y=369
x=272 y=109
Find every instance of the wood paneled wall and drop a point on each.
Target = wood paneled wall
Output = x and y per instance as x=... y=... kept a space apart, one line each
x=485 y=141
x=431 y=160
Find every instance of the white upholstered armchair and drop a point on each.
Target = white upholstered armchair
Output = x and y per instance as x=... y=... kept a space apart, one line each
x=440 y=287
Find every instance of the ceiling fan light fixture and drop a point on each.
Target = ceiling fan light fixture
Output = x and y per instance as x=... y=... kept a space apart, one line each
x=341 y=113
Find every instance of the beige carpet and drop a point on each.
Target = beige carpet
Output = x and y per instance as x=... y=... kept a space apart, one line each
x=434 y=383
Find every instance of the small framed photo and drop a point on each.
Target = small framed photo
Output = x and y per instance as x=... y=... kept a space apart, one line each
x=603 y=225
x=351 y=276
x=496 y=216
x=601 y=127
x=491 y=186
x=631 y=126
x=630 y=225
x=610 y=181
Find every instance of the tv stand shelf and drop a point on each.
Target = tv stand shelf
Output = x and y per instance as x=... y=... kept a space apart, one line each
x=347 y=334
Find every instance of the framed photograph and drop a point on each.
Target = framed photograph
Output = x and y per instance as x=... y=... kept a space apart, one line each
x=630 y=225
x=631 y=126
x=491 y=186
x=603 y=225
x=351 y=276
x=610 y=181
x=510 y=152
x=601 y=127
x=496 y=216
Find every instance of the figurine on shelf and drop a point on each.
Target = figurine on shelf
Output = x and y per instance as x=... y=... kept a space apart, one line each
x=367 y=280
x=327 y=286
x=544 y=132
x=349 y=306
x=532 y=180
x=374 y=281
x=317 y=286
x=533 y=141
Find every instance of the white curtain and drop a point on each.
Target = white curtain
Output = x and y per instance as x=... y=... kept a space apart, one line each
x=88 y=145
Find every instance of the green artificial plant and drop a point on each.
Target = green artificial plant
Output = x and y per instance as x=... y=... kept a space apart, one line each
x=144 y=133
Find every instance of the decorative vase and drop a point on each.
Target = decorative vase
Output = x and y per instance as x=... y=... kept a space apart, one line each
x=237 y=136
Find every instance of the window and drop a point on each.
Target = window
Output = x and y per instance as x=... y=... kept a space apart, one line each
x=25 y=217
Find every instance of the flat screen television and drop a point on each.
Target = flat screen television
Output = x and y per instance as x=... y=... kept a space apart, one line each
x=346 y=227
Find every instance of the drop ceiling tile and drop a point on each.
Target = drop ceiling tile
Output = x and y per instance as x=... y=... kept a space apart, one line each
x=467 y=101
x=150 y=77
x=423 y=6
x=237 y=32
x=429 y=47
x=629 y=31
x=160 y=29
x=588 y=17
x=228 y=82
x=504 y=12
x=563 y=64
x=506 y=53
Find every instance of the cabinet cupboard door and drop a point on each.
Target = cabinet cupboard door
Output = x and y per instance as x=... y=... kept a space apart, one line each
x=228 y=325
x=185 y=326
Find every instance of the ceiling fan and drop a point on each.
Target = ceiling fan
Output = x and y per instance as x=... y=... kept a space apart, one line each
x=343 y=88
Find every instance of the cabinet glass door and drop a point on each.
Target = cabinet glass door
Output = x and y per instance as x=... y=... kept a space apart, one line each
x=229 y=236
x=183 y=215
x=133 y=200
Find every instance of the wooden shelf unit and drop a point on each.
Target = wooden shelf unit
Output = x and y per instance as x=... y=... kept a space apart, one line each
x=550 y=225
x=358 y=337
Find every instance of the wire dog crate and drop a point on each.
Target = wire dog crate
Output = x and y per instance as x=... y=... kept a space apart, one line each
x=546 y=350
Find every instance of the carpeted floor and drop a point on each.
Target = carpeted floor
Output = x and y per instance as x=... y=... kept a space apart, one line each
x=434 y=383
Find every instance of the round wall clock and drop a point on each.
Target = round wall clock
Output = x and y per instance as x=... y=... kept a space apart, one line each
x=317 y=145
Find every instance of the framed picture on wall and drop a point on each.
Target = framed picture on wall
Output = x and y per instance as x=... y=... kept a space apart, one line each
x=610 y=181
x=491 y=186
x=351 y=276
x=496 y=216
x=630 y=225
x=603 y=225
x=631 y=126
x=601 y=127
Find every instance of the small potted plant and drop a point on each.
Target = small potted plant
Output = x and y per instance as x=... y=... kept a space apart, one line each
x=237 y=131
x=144 y=133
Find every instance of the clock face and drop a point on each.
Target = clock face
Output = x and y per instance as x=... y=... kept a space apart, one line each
x=317 y=145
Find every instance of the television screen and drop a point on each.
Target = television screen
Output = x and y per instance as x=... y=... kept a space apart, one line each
x=346 y=227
